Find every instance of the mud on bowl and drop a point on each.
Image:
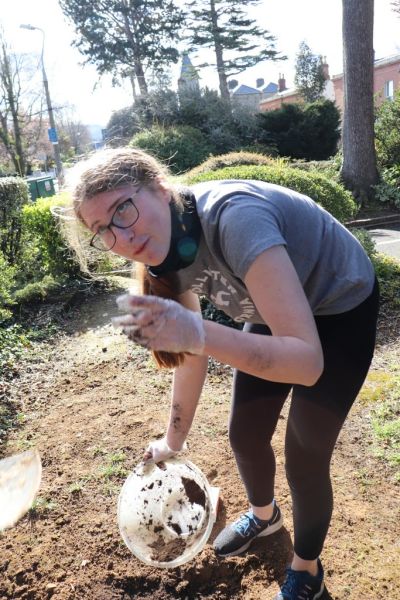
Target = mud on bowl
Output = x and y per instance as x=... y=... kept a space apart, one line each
x=165 y=512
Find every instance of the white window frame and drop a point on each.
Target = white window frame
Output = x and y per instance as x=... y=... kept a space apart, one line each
x=389 y=89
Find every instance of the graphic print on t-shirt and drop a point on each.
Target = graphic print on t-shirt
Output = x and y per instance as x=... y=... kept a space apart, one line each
x=223 y=295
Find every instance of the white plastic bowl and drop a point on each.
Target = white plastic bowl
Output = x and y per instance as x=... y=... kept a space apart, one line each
x=165 y=512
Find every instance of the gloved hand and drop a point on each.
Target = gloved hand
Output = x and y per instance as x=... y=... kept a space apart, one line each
x=161 y=324
x=159 y=450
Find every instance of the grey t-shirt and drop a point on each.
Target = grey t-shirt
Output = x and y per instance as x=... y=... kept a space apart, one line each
x=241 y=219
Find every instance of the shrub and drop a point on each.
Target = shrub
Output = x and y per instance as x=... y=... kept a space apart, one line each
x=207 y=111
x=13 y=343
x=308 y=131
x=387 y=270
x=332 y=196
x=387 y=132
x=37 y=291
x=44 y=239
x=389 y=188
x=13 y=196
x=181 y=147
x=258 y=148
x=366 y=240
x=7 y=277
x=328 y=168
x=231 y=159
x=48 y=253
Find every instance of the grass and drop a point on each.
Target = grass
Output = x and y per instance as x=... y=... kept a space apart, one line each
x=382 y=393
x=76 y=488
x=386 y=429
x=40 y=507
x=363 y=479
x=114 y=467
x=97 y=451
x=112 y=470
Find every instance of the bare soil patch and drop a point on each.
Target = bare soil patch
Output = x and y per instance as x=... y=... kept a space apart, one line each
x=91 y=402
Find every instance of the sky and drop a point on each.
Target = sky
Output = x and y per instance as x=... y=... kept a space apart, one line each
x=318 y=22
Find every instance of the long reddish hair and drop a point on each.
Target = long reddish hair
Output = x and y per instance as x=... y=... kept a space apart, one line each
x=164 y=287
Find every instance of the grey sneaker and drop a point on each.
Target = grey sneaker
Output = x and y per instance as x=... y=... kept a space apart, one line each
x=300 y=585
x=237 y=536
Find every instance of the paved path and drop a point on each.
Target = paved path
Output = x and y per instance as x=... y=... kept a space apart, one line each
x=387 y=239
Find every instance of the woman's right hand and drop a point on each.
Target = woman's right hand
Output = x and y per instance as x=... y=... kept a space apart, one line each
x=158 y=450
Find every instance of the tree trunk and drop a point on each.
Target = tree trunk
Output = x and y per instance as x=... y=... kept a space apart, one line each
x=223 y=84
x=17 y=154
x=132 y=81
x=8 y=143
x=359 y=170
x=137 y=65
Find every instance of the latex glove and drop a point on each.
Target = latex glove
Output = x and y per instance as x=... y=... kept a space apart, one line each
x=161 y=324
x=159 y=451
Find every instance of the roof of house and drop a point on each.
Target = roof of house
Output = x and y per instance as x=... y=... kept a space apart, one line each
x=285 y=94
x=381 y=62
x=245 y=89
x=271 y=88
x=387 y=61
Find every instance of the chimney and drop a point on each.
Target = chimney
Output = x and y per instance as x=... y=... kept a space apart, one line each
x=259 y=83
x=325 y=68
x=281 y=83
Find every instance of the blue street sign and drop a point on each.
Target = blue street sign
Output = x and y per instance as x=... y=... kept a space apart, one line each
x=52 y=135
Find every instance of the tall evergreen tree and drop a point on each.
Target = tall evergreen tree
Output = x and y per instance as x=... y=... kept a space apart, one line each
x=309 y=77
x=126 y=36
x=359 y=170
x=237 y=41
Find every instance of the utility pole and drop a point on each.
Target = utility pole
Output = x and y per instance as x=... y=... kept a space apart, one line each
x=52 y=130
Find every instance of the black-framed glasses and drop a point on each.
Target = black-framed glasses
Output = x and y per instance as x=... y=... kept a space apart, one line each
x=125 y=215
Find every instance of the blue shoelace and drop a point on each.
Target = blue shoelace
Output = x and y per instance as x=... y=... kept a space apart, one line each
x=246 y=525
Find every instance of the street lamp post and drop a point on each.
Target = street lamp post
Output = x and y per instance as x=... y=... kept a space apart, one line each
x=52 y=131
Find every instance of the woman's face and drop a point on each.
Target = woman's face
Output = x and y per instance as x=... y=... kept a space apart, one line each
x=148 y=239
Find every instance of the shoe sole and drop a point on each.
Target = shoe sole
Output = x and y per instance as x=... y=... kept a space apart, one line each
x=321 y=591
x=268 y=531
x=318 y=595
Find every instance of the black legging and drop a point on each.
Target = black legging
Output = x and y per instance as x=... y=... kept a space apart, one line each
x=315 y=419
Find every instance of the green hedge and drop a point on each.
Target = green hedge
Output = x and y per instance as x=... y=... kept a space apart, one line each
x=13 y=196
x=7 y=281
x=45 y=239
x=331 y=196
x=387 y=270
x=231 y=159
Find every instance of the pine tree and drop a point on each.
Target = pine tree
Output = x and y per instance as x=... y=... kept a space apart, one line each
x=309 y=78
x=125 y=37
x=237 y=41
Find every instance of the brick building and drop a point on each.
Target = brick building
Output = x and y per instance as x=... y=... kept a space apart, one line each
x=386 y=82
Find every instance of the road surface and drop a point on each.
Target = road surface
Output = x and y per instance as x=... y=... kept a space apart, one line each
x=387 y=239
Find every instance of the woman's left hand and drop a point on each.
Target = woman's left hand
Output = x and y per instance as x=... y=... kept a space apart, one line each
x=161 y=324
